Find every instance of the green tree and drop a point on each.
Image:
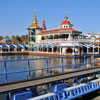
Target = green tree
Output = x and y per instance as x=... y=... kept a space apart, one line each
x=13 y=38
x=18 y=38
x=7 y=37
x=1 y=38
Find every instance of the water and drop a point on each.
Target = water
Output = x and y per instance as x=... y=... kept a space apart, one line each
x=35 y=64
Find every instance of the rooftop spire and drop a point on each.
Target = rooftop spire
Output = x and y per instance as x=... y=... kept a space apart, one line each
x=34 y=23
x=43 y=25
x=66 y=17
x=35 y=19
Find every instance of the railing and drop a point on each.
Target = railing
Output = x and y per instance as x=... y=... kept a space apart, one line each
x=66 y=40
x=48 y=66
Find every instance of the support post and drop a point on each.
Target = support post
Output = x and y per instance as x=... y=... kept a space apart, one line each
x=47 y=66
x=5 y=71
x=93 y=62
x=84 y=62
x=74 y=64
x=28 y=63
x=62 y=65
x=7 y=96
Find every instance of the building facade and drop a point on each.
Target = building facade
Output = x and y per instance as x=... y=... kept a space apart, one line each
x=63 y=40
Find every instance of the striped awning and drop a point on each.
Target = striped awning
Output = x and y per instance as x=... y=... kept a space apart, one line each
x=25 y=46
x=11 y=46
x=5 y=46
x=18 y=46
x=88 y=45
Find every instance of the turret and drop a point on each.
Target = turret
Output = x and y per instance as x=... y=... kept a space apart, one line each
x=43 y=25
x=66 y=23
x=33 y=30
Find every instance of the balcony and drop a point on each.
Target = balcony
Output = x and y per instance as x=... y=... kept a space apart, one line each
x=67 y=40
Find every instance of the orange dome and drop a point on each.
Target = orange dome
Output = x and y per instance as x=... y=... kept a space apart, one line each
x=65 y=22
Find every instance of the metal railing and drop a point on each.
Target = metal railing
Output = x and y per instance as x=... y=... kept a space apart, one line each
x=66 y=40
x=60 y=68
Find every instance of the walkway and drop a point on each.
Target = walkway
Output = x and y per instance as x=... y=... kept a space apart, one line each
x=33 y=82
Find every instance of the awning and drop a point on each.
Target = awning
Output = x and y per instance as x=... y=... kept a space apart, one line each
x=25 y=46
x=49 y=46
x=35 y=46
x=88 y=45
x=77 y=44
x=67 y=45
x=4 y=46
x=11 y=46
x=18 y=46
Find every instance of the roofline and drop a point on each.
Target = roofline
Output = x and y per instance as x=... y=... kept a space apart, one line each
x=55 y=31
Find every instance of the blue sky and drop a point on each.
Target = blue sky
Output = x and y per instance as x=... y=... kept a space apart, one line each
x=17 y=15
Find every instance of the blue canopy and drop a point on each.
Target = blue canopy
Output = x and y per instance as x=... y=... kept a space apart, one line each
x=18 y=46
x=4 y=46
x=25 y=46
x=49 y=46
x=12 y=46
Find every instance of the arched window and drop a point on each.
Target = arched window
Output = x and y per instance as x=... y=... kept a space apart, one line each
x=42 y=38
x=46 y=37
x=56 y=37
x=50 y=37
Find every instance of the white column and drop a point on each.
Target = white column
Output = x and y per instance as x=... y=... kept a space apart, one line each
x=73 y=51
x=87 y=50
x=60 y=50
x=47 y=48
x=93 y=50
x=52 y=48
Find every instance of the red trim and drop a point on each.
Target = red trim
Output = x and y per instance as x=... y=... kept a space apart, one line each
x=65 y=22
x=12 y=43
x=61 y=29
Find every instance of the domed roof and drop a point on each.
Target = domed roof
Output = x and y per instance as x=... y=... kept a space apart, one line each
x=65 y=22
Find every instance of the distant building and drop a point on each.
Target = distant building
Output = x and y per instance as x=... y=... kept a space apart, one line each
x=93 y=36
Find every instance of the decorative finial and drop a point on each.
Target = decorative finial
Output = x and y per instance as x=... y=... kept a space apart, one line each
x=43 y=25
x=66 y=17
x=35 y=19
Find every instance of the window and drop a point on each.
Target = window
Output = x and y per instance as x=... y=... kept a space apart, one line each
x=42 y=38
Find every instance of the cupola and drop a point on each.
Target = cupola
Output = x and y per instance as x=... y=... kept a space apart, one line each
x=66 y=23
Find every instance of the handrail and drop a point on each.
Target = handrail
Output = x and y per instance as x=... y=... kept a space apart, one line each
x=47 y=68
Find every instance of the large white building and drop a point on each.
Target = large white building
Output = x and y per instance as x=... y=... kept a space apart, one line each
x=63 y=40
